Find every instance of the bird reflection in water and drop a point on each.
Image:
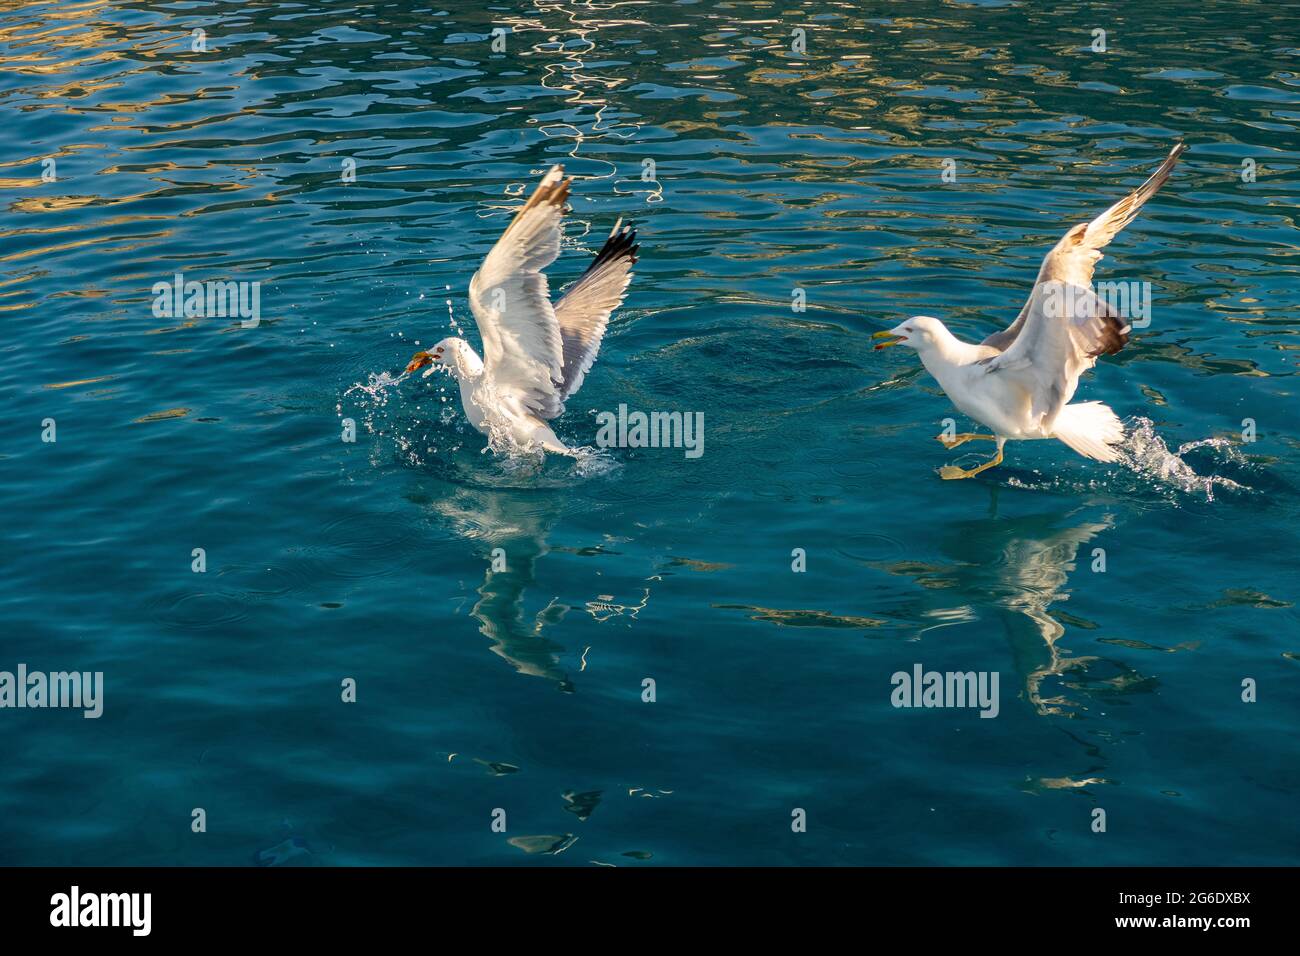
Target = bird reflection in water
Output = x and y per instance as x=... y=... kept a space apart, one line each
x=520 y=524
x=1024 y=565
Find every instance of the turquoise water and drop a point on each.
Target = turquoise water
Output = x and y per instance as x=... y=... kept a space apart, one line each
x=773 y=171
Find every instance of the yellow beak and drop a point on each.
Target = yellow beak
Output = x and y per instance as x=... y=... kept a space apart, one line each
x=891 y=339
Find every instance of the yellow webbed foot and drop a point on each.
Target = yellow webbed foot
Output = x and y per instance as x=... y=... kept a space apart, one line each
x=952 y=472
x=956 y=440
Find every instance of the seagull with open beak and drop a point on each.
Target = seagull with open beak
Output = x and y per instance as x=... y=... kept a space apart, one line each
x=1019 y=382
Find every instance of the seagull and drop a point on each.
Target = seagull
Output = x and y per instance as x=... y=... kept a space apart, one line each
x=535 y=354
x=1019 y=381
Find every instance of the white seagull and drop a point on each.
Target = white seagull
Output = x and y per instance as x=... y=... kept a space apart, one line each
x=1019 y=382
x=535 y=354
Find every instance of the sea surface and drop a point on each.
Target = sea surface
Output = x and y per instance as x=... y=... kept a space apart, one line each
x=801 y=175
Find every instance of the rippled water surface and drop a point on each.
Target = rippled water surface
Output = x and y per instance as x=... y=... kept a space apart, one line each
x=752 y=170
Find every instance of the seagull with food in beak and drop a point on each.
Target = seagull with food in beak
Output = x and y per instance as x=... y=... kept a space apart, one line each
x=535 y=353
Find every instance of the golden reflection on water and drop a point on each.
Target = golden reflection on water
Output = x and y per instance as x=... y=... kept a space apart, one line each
x=82 y=381
x=585 y=90
x=804 y=618
x=164 y=415
x=62 y=29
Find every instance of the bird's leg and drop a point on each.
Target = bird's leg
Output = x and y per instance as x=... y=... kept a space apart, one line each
x=956 y=440
x=950 y=472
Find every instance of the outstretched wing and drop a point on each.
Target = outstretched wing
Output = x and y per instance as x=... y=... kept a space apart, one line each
x=523 y=352
x=1073 y=258
x=583 y=311
x=1064 y=326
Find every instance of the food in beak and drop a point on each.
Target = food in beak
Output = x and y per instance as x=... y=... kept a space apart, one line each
x=418 y=360
x=891 y=338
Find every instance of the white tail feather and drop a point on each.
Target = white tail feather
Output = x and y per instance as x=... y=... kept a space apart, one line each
x=1091 y=429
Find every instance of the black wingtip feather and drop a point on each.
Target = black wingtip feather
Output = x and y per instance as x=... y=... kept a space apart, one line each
x=621 y=244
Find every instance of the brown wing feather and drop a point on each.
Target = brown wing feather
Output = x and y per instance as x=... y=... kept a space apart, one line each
x=1072 y=260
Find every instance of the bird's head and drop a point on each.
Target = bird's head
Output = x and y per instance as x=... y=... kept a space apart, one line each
x=446 y=355
x=921 y=332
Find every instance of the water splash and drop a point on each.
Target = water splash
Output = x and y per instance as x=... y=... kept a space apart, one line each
x=395 y=432
x=590 y=462
x=451 y=317
x=377 y=385
x=528 y=459
x=1146 y=453
x=410 y=433
x=402 y=431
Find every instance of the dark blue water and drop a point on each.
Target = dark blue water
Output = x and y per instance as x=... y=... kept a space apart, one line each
x=521 y=690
